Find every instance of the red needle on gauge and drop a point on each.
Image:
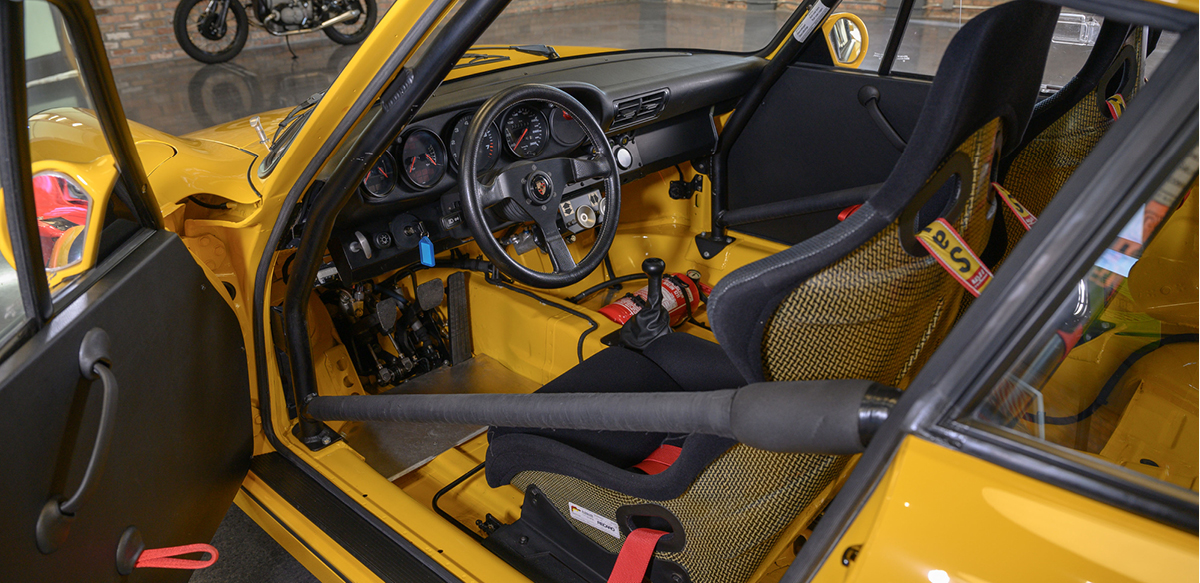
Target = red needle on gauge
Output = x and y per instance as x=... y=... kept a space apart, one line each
x=522 y=136
x=431 y=160
x=413 y=165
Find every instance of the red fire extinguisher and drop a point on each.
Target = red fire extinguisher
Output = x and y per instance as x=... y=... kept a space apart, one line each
x=681 y=295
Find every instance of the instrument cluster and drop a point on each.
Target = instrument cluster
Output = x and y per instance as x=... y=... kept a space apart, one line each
x=421 y=158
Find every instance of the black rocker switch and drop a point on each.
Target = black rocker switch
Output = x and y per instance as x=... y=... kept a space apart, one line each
x=653 y=320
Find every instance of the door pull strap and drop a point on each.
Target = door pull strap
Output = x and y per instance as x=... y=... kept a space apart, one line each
x=168 y=557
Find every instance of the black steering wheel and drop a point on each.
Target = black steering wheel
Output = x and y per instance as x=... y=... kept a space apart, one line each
x=533 y=190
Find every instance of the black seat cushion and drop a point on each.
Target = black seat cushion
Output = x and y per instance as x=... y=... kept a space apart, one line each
x=675 y=362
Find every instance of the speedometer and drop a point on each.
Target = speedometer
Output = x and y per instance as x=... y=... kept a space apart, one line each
x=525 y=131
x=489 y=147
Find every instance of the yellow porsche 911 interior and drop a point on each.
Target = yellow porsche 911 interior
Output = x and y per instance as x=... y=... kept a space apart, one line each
x=547 y=228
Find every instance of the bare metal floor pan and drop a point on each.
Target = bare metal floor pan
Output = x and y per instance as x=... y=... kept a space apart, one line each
x=394 y=449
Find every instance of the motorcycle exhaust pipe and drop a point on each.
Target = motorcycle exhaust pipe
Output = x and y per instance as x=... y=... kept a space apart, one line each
x=830 y=417
x=343 y=17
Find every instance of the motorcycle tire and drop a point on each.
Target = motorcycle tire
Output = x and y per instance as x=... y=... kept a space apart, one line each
x=342 y=38
x=241 y=21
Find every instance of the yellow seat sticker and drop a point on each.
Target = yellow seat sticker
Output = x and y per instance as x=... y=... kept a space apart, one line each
x=1023 y=215
x=955 y=256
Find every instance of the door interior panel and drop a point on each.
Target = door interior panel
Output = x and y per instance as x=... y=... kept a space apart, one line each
x=181 y=442
x=811 y=136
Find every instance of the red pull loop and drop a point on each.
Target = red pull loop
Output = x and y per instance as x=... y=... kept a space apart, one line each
x=634 y=559
x=168 y=557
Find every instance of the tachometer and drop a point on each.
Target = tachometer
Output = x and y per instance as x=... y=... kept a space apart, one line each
x=525 y=131
x=489 y=150
x=382 y=178
x=423 y=158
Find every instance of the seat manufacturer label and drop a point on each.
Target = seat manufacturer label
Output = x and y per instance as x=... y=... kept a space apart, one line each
x=955 y=256
x=594 y=520
x=1025 y=217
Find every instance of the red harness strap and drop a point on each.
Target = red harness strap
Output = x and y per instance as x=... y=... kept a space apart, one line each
x=659 y=460
x=634 y=558
x=168 y=557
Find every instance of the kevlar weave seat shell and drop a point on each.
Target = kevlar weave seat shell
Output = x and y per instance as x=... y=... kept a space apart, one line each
x=877 y=313
x=1045 y=163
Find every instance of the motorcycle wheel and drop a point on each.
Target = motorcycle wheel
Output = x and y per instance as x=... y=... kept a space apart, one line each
x=188 y=21
x=355 y=31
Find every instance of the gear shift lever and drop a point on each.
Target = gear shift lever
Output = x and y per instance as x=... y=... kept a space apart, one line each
x=653 y=320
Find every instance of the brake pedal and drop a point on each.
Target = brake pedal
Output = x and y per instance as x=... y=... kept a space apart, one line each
x=460 y=319
x=430 y=294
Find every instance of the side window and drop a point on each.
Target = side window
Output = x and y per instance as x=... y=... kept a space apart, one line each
x=1116 y=376
x=72 y=163
x=932 y=24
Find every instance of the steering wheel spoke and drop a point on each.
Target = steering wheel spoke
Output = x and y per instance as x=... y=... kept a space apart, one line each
x=556 y=246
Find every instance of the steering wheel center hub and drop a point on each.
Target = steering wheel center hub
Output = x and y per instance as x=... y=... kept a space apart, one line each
x=539 y=188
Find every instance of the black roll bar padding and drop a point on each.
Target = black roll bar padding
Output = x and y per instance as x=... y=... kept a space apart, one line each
x=745 y=108
x=828 y=201
x=400 y=100
x=827 y=417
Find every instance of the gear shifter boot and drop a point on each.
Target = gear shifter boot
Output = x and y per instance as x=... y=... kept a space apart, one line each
x=653 y=320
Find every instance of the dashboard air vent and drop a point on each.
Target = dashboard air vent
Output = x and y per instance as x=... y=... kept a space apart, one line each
x=638 y=109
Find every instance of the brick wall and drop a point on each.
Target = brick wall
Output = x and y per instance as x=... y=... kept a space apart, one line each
x=140 y=31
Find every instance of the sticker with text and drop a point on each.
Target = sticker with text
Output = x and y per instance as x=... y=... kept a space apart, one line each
x=810 y=22
x=949 y=249
x=594 y=520
x=1023 y=215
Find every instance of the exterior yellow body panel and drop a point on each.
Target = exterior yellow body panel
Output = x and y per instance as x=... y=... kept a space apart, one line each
x=940 y=515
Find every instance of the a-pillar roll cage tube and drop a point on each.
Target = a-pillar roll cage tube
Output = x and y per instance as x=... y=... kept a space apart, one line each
x=399 y=103
x=715 y=239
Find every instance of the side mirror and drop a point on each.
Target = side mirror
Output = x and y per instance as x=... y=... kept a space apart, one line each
x=69 y=202
x=846 y=36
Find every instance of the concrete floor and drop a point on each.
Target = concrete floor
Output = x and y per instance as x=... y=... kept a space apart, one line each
x=183 y=95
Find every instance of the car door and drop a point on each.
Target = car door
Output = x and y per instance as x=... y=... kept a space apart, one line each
x=123 y=373
x=1052 y=436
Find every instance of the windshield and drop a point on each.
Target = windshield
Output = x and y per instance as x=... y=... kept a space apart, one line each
x=567 y=26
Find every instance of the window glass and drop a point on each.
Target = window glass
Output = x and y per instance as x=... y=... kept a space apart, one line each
x=12 y=310
x=932 y=24
x=639 y=24
x=1116 y=377
x=879 y=16
x=67 y=147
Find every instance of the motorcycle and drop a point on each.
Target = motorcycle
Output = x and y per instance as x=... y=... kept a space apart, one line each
x=215 y=31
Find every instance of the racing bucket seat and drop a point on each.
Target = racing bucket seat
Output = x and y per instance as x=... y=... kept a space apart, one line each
x=1066 y=126
x=862 y=300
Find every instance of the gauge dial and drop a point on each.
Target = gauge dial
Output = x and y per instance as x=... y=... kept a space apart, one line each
x=423 y=158
x=382 y=178
x=525 y=131
x=489 y=149
x=564 y=128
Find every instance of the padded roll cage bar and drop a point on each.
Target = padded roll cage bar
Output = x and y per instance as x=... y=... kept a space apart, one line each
x=824 y=417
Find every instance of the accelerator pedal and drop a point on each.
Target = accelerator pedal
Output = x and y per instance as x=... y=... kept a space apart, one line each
x=460 y=319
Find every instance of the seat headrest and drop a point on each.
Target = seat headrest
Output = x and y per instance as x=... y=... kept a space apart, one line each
x=991 y=69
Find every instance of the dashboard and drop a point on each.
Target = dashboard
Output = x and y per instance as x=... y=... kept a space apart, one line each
x=656 y=109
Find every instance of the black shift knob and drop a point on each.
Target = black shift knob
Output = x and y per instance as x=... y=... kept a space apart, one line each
x=654 y=268
x=653 y=320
